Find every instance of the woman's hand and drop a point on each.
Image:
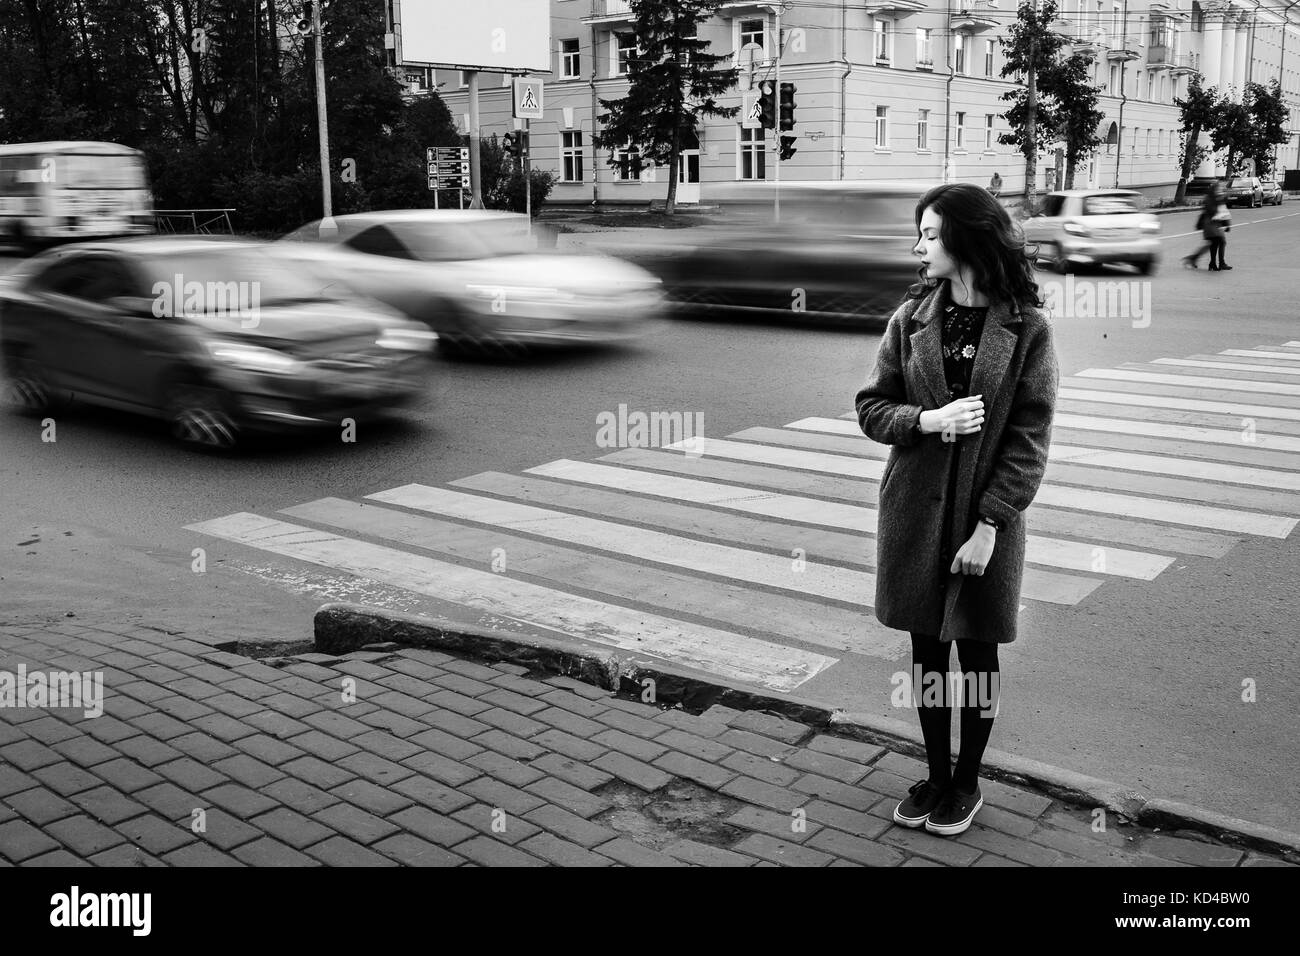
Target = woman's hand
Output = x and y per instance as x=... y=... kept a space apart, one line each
x=973 y=556
x=965 y=416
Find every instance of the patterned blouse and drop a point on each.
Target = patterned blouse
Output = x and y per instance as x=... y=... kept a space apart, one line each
x=962 y=327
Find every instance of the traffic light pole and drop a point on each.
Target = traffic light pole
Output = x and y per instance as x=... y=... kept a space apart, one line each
x=475 y=176
x=776 y=201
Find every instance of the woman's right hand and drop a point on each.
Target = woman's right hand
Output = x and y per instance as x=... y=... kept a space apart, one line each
x=965 y=416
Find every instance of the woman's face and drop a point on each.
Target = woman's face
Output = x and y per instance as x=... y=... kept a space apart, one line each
x=929 y=248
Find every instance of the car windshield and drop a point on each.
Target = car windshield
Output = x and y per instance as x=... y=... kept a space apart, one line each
x=1109 y=205
x=226 y=281
x=1239 y=183
x=476 y=239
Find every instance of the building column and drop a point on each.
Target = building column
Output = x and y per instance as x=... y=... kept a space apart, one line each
x=1227 y=37
x=1212 y=47
x=1239 y=61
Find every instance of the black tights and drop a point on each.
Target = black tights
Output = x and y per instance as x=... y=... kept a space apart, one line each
x=1216 y=249
x=979 y=665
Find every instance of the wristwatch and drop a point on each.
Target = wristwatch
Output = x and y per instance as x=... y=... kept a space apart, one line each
x=993 y=523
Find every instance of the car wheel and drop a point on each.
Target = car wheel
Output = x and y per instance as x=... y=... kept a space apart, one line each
x=1147 y=267
x=1057 y=259
x=198 y=416
x=27 y=386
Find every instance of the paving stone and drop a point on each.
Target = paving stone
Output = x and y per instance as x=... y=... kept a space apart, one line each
x=248 y=771
x=755 y=744
x=267 y=852
x=508 y=668
x=1014 y=799
x=508 y=745
x=762 y=768
x=1195 y=852
x=570 y=826
x=827 y=765
x=160 y=725
x=701 y=771
x=127 y=775
x=563 y=852
x=1011 y=847
x=393 y=723
x=576 y=703
x=190 y=775
x=203 y=747
x=430 y=793
x=362 y=670
x=170 y=802
x=944 y=850
x=920 y=861
x=29 y=755
x=570 y=723
x=66 y=779
x=578 y=773
x=857 y=849
x=782 y=852
x=887 y=784
x=434 y=827
x=291 y=827
x=628 y=853
x=497 y=794
x=461 y=684
x=469 y=668
x=774 y=824
x=183 y=708
x=855 y=798
x=702 y=854
x=691 y=723
x=511 y=828
x=40 y=806
x=505 y=769
x=578 y=687
x=154 y=834
x=631 y=723
x=355 y=823
x=269 y=751
x=224 y=727
x=317 y=772
x=412 y=687
x=1263 y=859
x=765 y=794
x=82 y=835
x=853 y=750
x=239 y=800
x=13 y=780
x=285 y=706
x=694 y=746
x=488 y=852
x=461 y=703
x=769 y=725
x=20 y=841
x=336 y=724
x=632 y=771
x=416 y=669
x=376 y=769
x=122 y=856
x=412 y=851
x=626 y=743
x=452 y=773
x=444 y=743
x=854 y=822
x=458 y=725
x=56 y=859
x=322 y=745
x=568 y=745
x=512 y=723
x=49 y=730
x=339 y=851
x=300 y=796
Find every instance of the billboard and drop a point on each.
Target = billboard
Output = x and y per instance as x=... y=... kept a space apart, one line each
x=499 y=35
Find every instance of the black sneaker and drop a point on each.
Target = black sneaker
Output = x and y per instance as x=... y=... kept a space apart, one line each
x=954 y=812
x=914 y=810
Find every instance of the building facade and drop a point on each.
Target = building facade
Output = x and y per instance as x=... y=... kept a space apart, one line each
x=893 y=90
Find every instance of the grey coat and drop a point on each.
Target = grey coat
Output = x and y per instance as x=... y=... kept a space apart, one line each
x=999 y=467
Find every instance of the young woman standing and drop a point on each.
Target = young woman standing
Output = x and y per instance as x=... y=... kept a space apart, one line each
x=964 y=390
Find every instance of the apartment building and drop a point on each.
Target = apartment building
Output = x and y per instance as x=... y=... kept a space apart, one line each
x=893 y=90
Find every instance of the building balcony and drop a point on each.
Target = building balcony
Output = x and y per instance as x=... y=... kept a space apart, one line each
x=972 y=23
x=898 y=9
x=1159 y=57
x=1183 y=63
x=609 y=11
x=1123 y=51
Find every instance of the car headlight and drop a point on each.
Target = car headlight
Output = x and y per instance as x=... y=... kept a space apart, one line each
x=253 y=358
x=1150 y=227
x=411 y=340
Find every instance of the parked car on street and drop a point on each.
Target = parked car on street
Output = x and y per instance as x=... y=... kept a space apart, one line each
x=1245 y=191
x=1272 y=192
x=477 y=279
x=1093 y=227
x=217 y=337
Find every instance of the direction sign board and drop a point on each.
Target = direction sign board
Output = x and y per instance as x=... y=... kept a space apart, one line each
x=447 y=167
x=528 y=99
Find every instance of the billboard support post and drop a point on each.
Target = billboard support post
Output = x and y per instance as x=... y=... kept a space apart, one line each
x=475 y=173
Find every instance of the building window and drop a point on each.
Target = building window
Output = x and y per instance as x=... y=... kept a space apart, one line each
x=570 y=60
x=627 y=164
x=882 y=127
x=989 y=119
x=884 y=40
x=462 y=79
x=923 y=129
x=571 y=150
x=753 y=154
x=753 y=31
x=624 y=47
x=924 y=50
x=960 y=44
x=961 y=131
x=988 y=57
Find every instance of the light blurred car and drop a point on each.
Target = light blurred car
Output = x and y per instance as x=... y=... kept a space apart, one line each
x=841 y=253
x=1245 y=191
x=216 y=337
x=1272 y=192
x=477 y=279
x=1077 y=228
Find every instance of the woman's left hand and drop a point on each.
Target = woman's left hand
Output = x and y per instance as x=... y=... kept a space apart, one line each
x=973 y=556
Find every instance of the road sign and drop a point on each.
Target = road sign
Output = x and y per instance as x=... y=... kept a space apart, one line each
x=447 y=167
x=528 y=99
x=753 y=112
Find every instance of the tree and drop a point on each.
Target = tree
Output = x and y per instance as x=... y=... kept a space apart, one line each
x=1077 y=113
x=1198 y=112
x=1232 y=131
x=673 y=82
x=1031 y=48
x=1269 y=124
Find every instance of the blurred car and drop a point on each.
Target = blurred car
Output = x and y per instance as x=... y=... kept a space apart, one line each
x=840 y=254
x=476 y=278
x=1093 y=227
x=1245 y=191
x=1272 y=192
x=217 y=337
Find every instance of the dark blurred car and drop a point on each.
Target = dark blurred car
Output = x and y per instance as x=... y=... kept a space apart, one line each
x=476 y=278
x=1272 y=192
x=840 y=254
x=1245 y=191
x=217 y=337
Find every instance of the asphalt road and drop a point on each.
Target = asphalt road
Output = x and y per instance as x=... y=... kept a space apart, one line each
x=1140 y=682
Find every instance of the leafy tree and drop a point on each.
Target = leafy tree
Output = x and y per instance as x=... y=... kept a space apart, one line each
x=1076 y=113
x=1198 y=112
x=1032 y=47
x=673 y=81
x=1269 y=124
x=1232 y=131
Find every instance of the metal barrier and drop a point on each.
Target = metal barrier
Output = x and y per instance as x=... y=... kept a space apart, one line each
x=175 y=221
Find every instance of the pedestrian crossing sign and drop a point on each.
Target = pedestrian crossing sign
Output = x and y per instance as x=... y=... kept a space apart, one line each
x=528 y=99
x=753 y=116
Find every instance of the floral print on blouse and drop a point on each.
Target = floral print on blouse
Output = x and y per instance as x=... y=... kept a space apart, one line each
x=962 y=327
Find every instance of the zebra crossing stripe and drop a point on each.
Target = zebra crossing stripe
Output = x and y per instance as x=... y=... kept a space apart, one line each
x=1189 y=404
x=1230 y=366
x=741 y=564
x=1050 y=552
x=1224 y=384
x=1253 y=353
x=696 y=646
x=1217 y=436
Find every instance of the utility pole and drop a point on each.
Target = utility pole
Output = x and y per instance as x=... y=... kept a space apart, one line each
x=776 y=91
x=475 y=173
x=1031 y=118
x=327 y=202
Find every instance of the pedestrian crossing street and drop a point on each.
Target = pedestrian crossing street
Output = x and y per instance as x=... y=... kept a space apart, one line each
x=750 y=556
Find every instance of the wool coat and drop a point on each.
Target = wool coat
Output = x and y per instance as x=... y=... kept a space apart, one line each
x=999 y=468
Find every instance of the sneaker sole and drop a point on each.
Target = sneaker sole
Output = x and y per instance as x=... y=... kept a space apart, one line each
x=952 y=829
x=913 y=822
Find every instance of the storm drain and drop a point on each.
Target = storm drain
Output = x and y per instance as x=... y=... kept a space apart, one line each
x=681 y=810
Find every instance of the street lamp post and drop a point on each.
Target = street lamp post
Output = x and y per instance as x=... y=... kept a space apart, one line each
x=327 y=202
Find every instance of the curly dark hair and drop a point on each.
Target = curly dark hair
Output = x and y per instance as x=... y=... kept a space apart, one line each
x=977 y=232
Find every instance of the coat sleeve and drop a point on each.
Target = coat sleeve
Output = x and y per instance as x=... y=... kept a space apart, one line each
x=1022 y=455
x=883 y=410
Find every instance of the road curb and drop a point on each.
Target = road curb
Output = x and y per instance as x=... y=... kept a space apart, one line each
x=340 y=628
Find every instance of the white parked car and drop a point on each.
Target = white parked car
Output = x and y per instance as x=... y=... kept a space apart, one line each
x=1091 y=227
x=477 y=279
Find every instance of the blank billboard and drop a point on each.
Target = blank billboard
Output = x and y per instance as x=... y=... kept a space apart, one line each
x=500 y=35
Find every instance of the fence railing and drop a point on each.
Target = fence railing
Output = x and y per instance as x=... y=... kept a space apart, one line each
x=203 y=222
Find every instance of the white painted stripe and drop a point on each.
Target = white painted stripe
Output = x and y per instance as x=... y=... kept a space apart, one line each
x=1231 y=366
x=1226 y=384
x=1188 y=404
x=1218 y=436
x=1250 y=353
x=693 y=645
x=832 y=426
x=1295 y=345
x=740 y=564
x=1078 y=499
x=1180 y=467
x=1050 y=552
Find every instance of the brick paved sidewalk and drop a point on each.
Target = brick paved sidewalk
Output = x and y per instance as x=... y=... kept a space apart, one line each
x=441 y=761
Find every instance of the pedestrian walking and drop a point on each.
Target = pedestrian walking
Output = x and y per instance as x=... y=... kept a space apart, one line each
x=963 y=390
x=995 y=185
x=1214 y=222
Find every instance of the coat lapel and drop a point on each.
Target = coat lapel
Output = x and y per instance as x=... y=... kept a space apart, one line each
x=927 y=345
x=993 y=355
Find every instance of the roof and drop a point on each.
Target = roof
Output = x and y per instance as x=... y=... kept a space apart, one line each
x=162 y=245
x=66 y=146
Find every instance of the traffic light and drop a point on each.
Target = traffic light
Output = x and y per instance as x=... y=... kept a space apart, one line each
x=787 y=106
x=787 y=146
x=510 y=144
x=766 y=106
